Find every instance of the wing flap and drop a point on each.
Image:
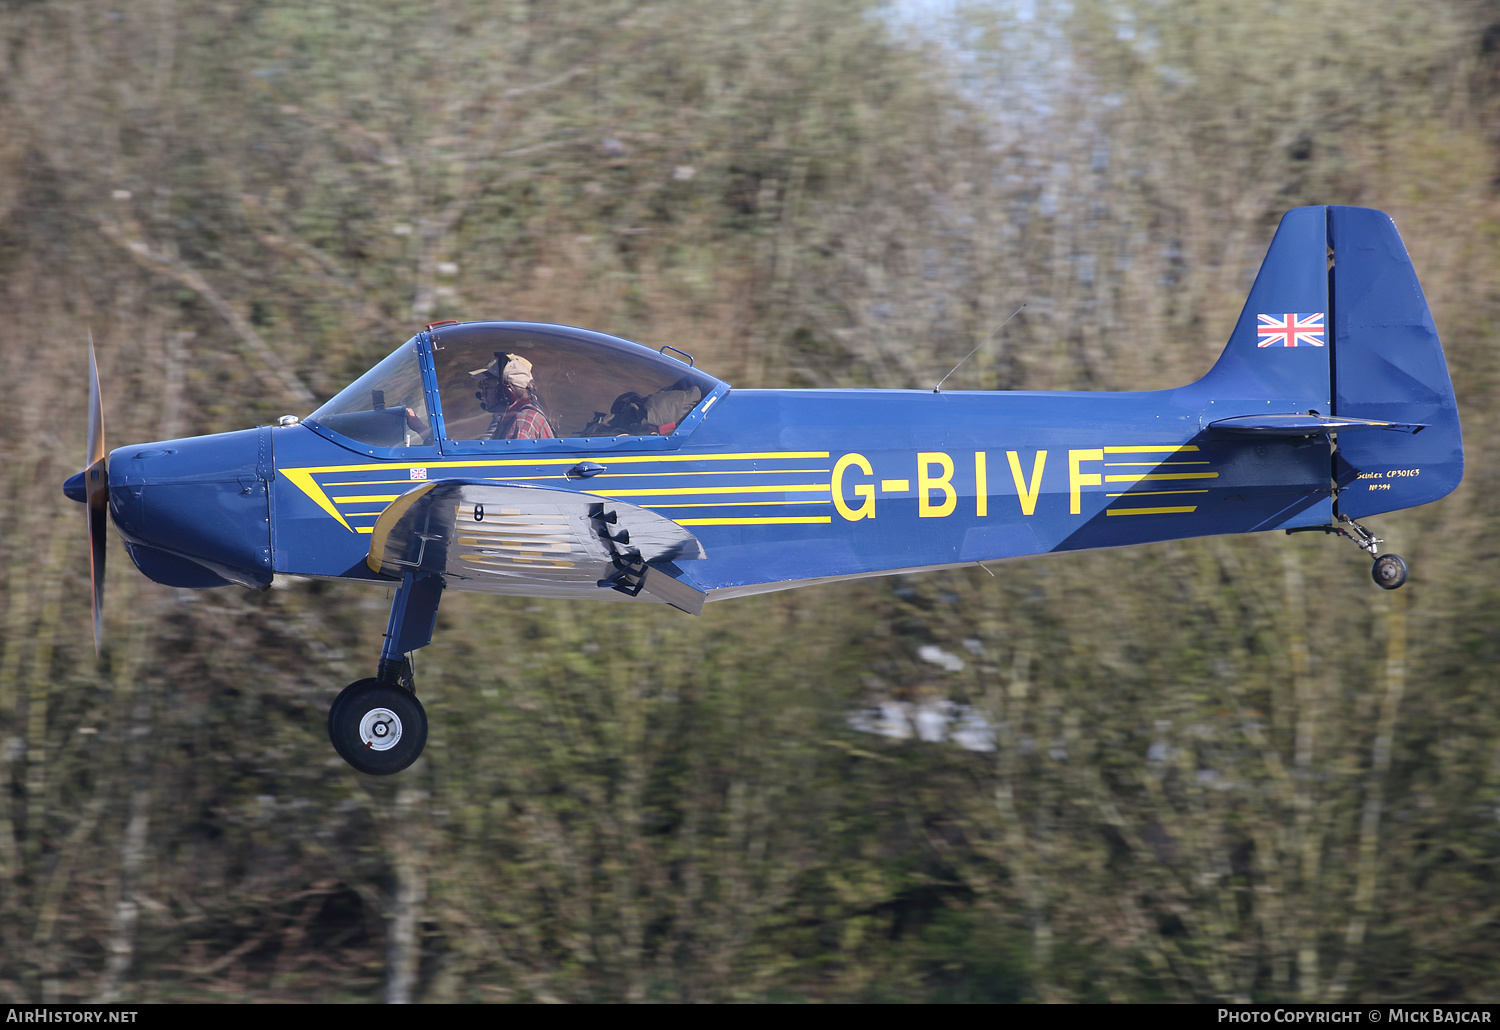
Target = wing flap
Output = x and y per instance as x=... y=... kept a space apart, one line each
x=536 y=541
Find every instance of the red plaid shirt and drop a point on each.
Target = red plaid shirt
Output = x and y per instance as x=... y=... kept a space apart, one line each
x=522 y=421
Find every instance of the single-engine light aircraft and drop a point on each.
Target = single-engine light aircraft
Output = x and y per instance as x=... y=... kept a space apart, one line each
x=547 y=461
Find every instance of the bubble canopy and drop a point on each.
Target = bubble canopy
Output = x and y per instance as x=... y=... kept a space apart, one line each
x=585 y=384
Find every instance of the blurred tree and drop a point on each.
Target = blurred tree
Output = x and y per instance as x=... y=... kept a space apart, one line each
x=1219 y=769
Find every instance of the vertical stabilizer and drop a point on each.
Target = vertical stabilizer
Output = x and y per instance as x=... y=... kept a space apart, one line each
x=1277 y=360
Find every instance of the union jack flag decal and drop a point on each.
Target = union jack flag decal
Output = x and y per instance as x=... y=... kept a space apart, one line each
x=1292 y=330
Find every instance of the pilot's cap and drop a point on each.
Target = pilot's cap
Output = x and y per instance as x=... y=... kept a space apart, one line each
x=511 y=369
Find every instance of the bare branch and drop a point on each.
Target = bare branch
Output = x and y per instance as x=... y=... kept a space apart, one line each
x=179 y=271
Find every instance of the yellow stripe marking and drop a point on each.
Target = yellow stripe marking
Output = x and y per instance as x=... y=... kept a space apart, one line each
x=302 y=478
x=365 y=499
x=714 y=472
x=895 y=486
x=1155 y=493
x=1118 y=464
x=457 y=462
x=791 y=520
x=386 y=482
x=1152 y=511
x=602 y=475
x=363 y=529
x=699 y=491
x=1144 y=478
x=736 y=504
x=1149 y=450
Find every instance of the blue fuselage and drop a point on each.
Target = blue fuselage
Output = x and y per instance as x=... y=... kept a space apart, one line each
x=781 y=487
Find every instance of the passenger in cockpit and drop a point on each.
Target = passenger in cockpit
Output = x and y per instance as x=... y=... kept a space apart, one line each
x=634 y=415
x=507 y=391
x=666 y=408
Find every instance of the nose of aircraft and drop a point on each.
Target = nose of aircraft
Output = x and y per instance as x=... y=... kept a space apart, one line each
x=196 y=512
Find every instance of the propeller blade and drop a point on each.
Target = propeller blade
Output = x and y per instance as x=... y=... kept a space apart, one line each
x=96 y=411
x=98 y=508
x=96 y=484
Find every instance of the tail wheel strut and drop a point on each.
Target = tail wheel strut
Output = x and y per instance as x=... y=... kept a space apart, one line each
x=1389 y=570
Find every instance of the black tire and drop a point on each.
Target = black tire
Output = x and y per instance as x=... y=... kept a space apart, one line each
x=376 y=728
x=344 y=695
x=1389 y=571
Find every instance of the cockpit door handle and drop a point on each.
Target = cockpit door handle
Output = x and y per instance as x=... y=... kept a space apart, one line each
x=585 y=470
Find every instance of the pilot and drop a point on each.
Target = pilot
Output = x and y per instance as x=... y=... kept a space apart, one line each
x=507 y=392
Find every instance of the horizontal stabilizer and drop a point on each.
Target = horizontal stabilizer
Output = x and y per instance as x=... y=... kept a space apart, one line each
x=1304 y=425
x=506 y=538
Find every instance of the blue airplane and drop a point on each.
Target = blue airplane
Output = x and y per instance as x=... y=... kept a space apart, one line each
x=547 y=461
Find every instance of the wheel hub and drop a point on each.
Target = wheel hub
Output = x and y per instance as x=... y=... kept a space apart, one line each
x=380 y=729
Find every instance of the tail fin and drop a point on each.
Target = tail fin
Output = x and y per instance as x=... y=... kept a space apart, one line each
x=1283 y=370
x=1336 y=325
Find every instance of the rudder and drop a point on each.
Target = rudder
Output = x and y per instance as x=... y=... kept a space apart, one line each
x=1387 y=365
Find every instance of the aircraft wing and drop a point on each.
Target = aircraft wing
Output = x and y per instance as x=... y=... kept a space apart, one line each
x=535 y=541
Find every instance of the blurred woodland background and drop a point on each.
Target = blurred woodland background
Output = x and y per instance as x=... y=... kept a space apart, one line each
x=1221 y=769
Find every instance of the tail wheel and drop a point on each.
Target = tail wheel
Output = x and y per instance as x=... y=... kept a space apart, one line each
x=377 y=728
x=1389 y=571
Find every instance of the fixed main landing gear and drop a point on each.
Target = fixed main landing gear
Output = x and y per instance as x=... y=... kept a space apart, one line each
x=1389 y=570
x=377 y=725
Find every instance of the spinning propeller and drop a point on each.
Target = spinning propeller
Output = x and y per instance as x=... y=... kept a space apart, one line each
x=96 y=487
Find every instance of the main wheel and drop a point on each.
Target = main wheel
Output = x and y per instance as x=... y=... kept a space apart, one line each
x=1389 y=571
x=344 y=695
x=376 y=728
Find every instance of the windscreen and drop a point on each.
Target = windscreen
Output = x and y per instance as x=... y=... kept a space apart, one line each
x=586 y=384
x=385 y=407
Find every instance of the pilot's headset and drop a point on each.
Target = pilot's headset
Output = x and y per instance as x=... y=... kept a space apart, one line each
x=503 y=368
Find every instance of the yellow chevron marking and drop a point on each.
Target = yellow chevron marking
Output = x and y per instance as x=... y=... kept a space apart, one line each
x=302 y=479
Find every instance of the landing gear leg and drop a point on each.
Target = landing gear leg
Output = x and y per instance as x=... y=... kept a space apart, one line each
x=377 y=725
